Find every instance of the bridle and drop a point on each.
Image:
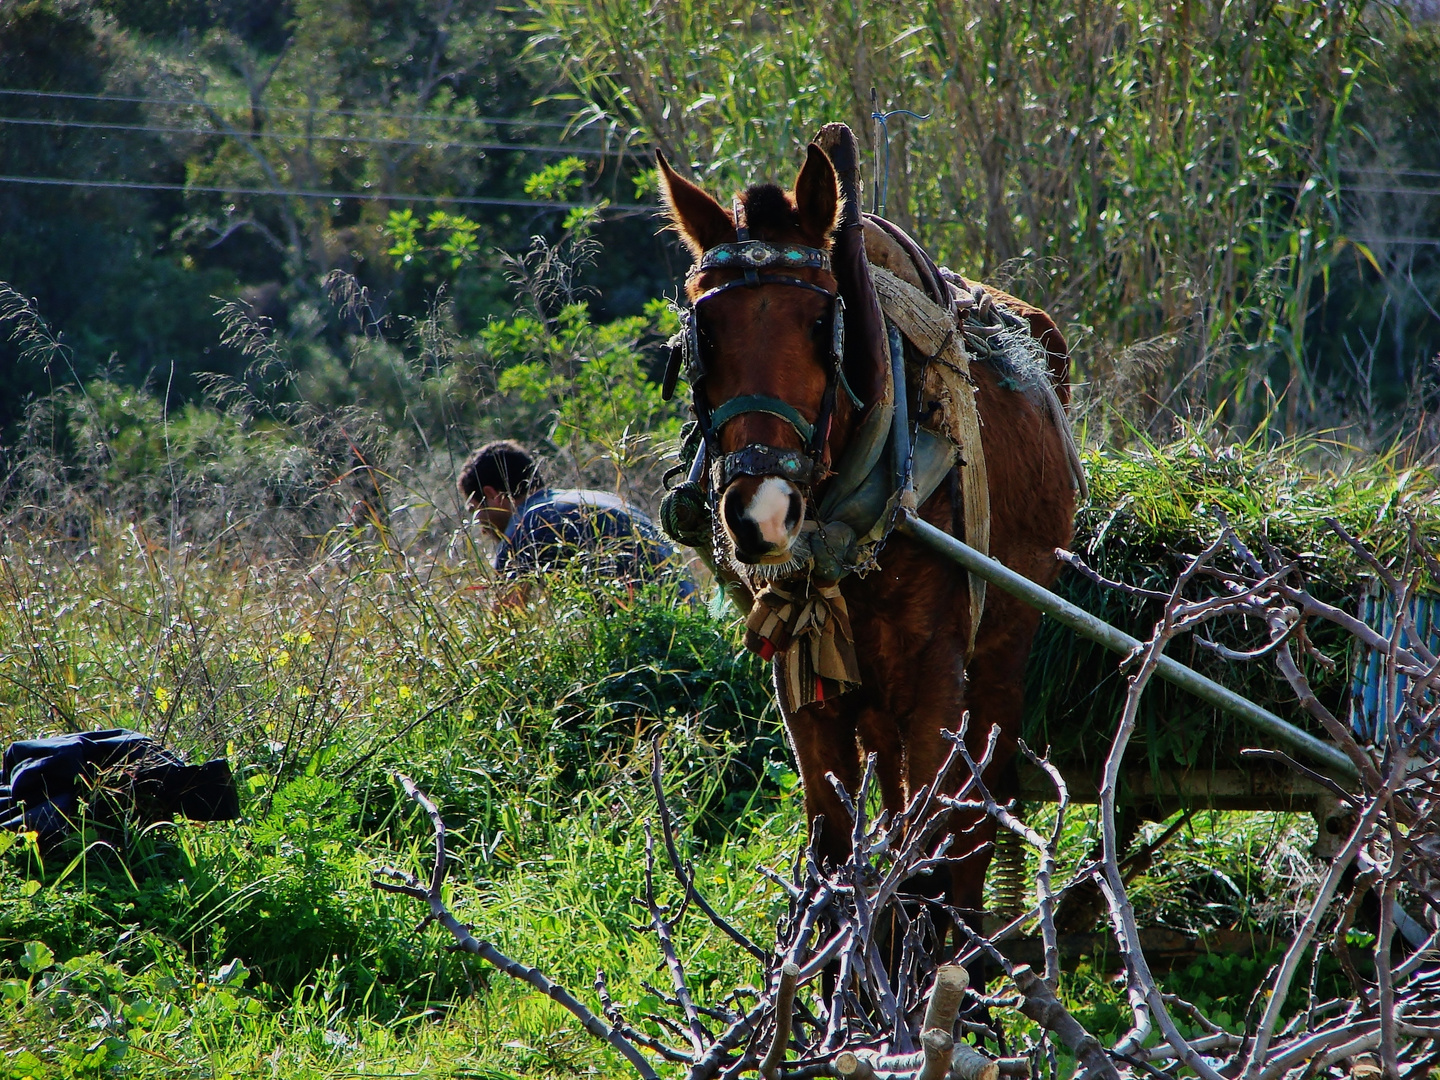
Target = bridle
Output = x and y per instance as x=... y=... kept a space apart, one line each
x=758 y=259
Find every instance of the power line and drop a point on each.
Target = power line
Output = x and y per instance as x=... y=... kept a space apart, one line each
x=160 y=129
x=464 y=200
x=1423 y=241
x=1368 y=189
x=510 y=121
x=378 y=196
x=1375 y=189
x=1377 y=170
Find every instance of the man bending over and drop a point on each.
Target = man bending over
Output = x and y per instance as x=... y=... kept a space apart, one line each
x=541 y=528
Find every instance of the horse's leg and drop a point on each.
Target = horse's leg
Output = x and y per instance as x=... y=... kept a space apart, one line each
x=995 y=696
x=880 y=735
x=823 y=740
x=939 y=709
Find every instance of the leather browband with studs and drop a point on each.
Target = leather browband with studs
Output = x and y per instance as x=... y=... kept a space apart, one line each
x=758 y=255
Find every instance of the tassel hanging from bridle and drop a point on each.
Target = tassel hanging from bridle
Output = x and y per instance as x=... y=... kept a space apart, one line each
x=808 y=628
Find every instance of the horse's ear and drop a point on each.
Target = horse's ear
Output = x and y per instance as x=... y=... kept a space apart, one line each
x=701 y=221
x=817 y=197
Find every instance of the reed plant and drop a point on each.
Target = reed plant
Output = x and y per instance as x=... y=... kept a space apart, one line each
x=1163 y=177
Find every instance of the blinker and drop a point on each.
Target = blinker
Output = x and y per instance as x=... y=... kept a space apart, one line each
x=676 y=347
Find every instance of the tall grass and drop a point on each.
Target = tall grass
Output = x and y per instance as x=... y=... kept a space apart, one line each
x=193 y=946
x=1155 y=173
x=319 y=681
x=327 y=634
x=319 y=677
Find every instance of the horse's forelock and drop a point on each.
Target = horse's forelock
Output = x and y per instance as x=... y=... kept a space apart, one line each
x=769 y=209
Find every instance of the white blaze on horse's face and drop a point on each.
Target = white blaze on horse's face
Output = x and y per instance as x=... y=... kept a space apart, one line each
x=762 y=516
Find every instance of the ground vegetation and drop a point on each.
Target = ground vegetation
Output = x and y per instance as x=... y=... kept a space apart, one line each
x=230 y=423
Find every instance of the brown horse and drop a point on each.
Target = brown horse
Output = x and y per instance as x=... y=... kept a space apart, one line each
x=766 y=340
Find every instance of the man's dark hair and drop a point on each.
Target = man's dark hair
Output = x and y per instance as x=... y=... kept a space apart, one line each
x=504 y=465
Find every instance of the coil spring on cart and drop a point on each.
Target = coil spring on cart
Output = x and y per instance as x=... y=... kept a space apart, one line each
x=1007 y=874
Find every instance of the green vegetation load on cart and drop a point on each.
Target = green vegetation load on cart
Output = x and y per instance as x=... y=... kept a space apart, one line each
x=1154 y=506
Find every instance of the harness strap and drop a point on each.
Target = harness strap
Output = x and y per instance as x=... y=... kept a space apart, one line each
x=742 y=222
x=761 y=279
x=932 y=329
x=758 y=459
x=754 y=254
x=763 y=403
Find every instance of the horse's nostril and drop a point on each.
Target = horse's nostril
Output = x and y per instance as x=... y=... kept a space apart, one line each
x=749 y=543
x=793 y=512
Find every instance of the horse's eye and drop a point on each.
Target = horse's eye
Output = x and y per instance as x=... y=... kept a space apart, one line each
x=818 y=330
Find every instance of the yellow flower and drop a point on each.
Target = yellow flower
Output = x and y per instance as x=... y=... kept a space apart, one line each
x=163 y=697
x=404 y=693
x=305 y=638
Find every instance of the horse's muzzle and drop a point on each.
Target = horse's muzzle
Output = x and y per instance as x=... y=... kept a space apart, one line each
x=762 y=516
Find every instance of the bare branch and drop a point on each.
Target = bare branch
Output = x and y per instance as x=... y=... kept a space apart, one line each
x=1333 y=727
x=1042 y=1006
x=1252 y=754
x=1301 y=941
x=682 y=872
x=467 y=942
x=1075 y=562
x=661 y=926
x=784 y=1012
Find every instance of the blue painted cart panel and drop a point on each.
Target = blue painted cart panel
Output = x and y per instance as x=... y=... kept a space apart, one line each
x=1368 y=717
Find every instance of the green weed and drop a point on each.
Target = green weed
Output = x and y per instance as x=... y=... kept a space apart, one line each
x=259 y=945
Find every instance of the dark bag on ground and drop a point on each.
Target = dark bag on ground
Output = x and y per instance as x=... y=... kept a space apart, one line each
x=43 y=780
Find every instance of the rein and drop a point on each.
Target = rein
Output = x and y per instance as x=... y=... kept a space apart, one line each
x=758 y=459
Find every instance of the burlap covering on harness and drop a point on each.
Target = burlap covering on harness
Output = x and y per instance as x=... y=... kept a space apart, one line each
x=946 y=380
x=807 y=623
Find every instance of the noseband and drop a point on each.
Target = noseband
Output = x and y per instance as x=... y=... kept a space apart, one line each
x=758 y=459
